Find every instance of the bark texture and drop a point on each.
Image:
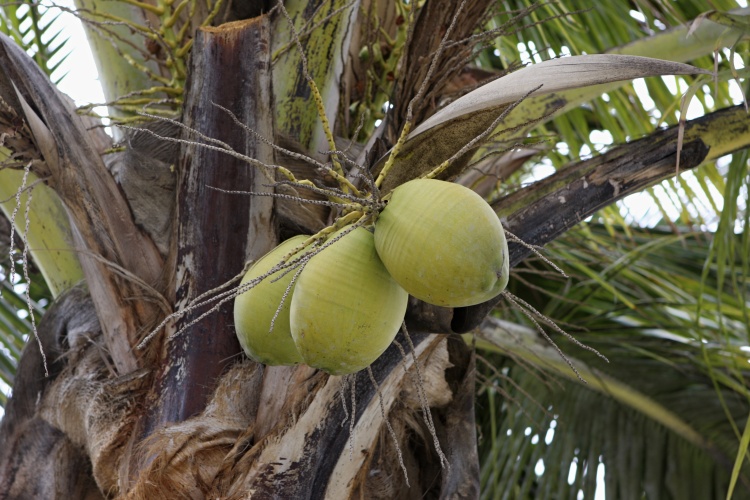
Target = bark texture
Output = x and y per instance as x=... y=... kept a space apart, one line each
x=217 y=232
x=37 y=459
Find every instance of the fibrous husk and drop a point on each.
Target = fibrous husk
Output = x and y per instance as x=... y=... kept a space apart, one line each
x=85 y=417
x=184 y=458
x=383 y=478
x=79 y=414
x=93 y=409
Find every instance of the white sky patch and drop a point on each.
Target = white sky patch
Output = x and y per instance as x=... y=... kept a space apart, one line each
x=694 y=110
x=671 y=83
x=523 y=54
x=549 y=436
x=541 y=170
x=641 y=90
x=534 y=52
x=572 y=471
x=640 y=208
x=735 y=92
x=539 y=468
x=82 y=80
x=638 y=16
x=600 y=493
x=550 y=433
x=601 y=138
x=736 y=60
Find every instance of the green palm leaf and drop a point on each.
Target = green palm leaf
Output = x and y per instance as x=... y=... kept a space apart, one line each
x=35 y=28
x=677 y=390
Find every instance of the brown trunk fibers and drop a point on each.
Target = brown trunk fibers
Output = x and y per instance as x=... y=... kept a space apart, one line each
x=37 y=458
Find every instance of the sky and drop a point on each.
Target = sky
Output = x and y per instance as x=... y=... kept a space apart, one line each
x=82 y=79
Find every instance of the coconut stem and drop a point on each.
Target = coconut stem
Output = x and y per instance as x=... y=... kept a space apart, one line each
x=394 y=153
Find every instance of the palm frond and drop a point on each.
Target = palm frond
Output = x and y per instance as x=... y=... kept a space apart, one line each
x=15 y=325
x=583 y=440
x=671 y=315
x=35 y=28
x=637 y=109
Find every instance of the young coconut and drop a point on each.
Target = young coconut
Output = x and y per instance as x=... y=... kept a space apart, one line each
x=443 y=243
x=254 y=310
x=346 y=308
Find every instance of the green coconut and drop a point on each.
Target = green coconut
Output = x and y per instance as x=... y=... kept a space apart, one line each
x=254 y=310
x=346 y=308
x=443 y=243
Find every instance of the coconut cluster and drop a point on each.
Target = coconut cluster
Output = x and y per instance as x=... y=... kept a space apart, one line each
x=435 y=240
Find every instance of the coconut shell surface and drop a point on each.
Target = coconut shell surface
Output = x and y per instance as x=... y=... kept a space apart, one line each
x=254 y=310
x=346 y=308
x=443 y=243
